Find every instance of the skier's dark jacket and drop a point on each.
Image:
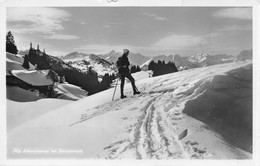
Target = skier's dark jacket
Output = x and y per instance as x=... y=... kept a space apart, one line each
x=123 y=68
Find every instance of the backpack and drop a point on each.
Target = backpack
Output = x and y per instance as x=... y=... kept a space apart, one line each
x=119 y=62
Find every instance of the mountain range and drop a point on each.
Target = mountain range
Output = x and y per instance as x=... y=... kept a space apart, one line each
x=103 y=63
x=200 y=60
x=85 y=61
x=78 y=60
x=134 y=58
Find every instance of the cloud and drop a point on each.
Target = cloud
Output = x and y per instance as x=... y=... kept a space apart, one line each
x=156 y=17
x=42 y=21
x=236 y=28
x=83 y=22
x=107 y=26
x=102 y=48
x=165 y=44
x=56 y=53
x=62 y=37
x=177 y=42
x=236 y=13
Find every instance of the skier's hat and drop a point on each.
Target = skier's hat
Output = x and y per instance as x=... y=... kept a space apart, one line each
x=125 y=51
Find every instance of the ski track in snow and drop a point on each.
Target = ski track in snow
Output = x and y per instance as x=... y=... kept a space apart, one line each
x=154 y=134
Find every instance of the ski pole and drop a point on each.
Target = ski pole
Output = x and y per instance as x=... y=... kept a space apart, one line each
x=136 y=89
x=115 y=89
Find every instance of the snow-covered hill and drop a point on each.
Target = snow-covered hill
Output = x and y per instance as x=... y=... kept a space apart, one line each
x=245 y=55
x=30 y=110
x=84 y=61
x=204 y=113
x=75 y=56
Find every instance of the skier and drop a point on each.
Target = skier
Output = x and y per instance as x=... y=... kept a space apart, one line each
x=123 y=70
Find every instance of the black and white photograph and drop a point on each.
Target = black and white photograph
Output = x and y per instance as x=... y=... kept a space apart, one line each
x=129 y=82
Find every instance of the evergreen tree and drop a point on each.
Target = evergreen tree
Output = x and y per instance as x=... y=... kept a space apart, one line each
x=135 y=69
x=161 y=68
x=38 y=49
x=138 y=68
x=151 y=65
x=26 y=64
x=10 y=43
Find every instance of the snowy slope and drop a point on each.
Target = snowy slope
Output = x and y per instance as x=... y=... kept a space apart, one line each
x=179 y=115
x=16 y=93
x=19 y=113
x=69 y=91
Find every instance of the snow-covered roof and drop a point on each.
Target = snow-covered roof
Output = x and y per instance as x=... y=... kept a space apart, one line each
x=14 y=62
x=35 y=77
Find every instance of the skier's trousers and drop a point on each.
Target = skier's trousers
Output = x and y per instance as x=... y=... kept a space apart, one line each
x=131 y=79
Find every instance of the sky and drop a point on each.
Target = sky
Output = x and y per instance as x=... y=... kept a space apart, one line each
x=150 y=31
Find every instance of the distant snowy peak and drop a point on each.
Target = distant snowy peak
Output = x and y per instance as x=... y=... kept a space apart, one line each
x=203 y=59
x=245 y=55
x=74 y=56
x=83 y=61
x=137 y=59
x=194 y=61
x=111 y=56
x=111 y=53
x=198 y=58
x=183 y=62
